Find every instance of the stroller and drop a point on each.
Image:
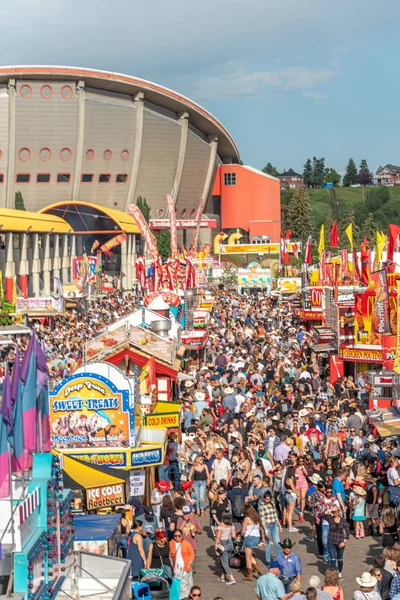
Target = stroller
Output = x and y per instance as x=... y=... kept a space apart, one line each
x=237 y=560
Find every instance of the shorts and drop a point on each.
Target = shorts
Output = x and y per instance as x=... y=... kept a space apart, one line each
x=290 y=498
x=373 y=514
x=251 y=541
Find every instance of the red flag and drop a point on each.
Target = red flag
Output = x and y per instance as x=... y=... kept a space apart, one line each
x=365 y=261
x=168 y=270
x=334 y=238
x=308 y=255
x=284 y=253
x=394 y=231
x=345 y=263
x=288 y=234
x=172 y=224
x=296 y=250
x=356 y=268
x=336 y=279
x=141 y=272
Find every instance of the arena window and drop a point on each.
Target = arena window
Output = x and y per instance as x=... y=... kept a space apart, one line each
x=63 y=177
x=24 y=154
x=89 y=154
x=1 y=177
x=229 y=178
x=45 y=154
x=87 y=178
x=104 y=178
x=125 y=154
x=121 y=178
x=23 y=177
x=46 y=91
x=107 y=154
x=43 y=178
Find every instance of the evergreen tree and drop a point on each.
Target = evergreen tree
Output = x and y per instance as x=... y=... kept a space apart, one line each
x=369 y=229
x=351 y=174
x=270 y=170
x=299 y=215
x=144 y=207
x=332 y=176
x=377 y=197
x=364 y=174
x=164 y=243
x=319 y=171
x=344 y=222
x=328 y=226
x=307 y=174
x=19 y=201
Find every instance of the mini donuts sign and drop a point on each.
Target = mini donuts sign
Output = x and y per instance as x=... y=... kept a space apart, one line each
x=87 y=410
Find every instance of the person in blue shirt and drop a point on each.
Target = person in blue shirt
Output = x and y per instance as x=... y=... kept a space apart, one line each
x=338 y=489
x=289 y=563
x=269 y=587
x=187 y=416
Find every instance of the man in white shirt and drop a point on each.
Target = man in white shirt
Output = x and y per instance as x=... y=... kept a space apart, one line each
x=221 y=468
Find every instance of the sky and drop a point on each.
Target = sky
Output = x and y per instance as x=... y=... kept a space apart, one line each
x=289 y=79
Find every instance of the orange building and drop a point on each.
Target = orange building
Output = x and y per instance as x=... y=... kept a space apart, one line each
x=248 y=199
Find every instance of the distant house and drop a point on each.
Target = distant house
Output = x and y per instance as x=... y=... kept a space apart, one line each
x=387 y=175
x=290 y=180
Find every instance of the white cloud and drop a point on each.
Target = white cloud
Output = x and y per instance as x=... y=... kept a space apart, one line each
x=314 y=95
x=236 y=80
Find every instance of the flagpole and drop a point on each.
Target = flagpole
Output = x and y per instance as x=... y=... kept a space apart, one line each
x=11 y=498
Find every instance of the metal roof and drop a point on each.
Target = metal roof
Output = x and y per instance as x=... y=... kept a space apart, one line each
x=25 y=221
x=126 y=84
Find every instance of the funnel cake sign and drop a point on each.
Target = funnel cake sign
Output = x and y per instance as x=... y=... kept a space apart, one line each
x=87 y=410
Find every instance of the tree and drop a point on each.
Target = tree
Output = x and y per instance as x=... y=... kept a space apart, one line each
x=318 y=171
x=369 y=229
x=364 y=174
x=332 y=176
x=376 y=198
x=164 y=243
x=229 y=276
x=19 y=201
x=307 y=174
x=270 y=170
x=299 y=215
x=328 y=226
x=351 y=174
x=145 y=209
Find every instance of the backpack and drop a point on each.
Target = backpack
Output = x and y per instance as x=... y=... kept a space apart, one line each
x=369 y=498
x=238 y=506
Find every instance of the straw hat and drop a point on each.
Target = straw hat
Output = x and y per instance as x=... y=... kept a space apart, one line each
x=348 y=461
x=366 y=580
x=315 y=478
x=357 y=489
x=189 y=383
x=229 y=390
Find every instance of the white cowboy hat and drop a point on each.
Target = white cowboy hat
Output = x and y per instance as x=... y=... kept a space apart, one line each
x=366 y=580
x=200 y=396
x=228 y=390
x=315 y=478
x=189 y=383
x=348 y=461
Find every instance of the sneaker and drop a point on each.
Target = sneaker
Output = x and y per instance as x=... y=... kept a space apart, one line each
x=231 y=582
x=292 y=529
x=340 y=575
x=309 y=538
x=220 y=579
x=301 y=518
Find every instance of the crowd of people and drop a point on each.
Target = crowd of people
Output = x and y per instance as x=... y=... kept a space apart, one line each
x=272 y=452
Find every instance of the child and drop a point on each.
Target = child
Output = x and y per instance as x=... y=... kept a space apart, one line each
x=357 y=499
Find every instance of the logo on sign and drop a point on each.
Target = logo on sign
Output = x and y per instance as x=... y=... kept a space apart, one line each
x=316 y=297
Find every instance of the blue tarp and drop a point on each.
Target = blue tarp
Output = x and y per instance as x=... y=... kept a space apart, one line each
x=95 y=527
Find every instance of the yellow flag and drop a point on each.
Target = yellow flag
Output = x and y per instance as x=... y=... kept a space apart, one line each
x=143 y=378
x=396 y=366
x=349 y=233
x=380 y=244
x=321 y=245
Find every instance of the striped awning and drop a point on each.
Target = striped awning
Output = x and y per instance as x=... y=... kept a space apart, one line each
x=80 y=475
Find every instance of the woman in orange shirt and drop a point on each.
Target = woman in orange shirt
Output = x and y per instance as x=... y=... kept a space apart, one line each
x=182 y=555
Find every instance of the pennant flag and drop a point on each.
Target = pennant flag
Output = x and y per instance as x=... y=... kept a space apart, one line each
x=168 y=270
x=349 y=233
x=356 y=268
x=115 y=241
x=321 y=245
x=308 y=255
x=198 y=222
x=288 y=234
x=4 y=461
x=334 y=237
x=15 y=378
x=379 y=247
x=95 y=245
x=296 y=250
x=29 y=395
x=141 y=222
x=141 y=273
x=42 y=381
x=172 y=223
x=365 y=259
x=285 y=260
x=6 y=404
x=394 y=231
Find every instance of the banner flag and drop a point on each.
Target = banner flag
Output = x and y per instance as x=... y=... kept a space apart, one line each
x=345 y=263
x=396 y=366
x=321 y=245
x=198 y=221
x=380 y=314
x=115 y=241
x=172 y=222
x=349 y=233
x=141 y=222
x=334 y=237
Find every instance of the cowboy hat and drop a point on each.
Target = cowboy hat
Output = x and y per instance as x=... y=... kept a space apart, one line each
x=357 y=489
x=348 y=461
x=189 y=383
x=229 y=390
x=200 y=396
x=163 y=485
x=315 y=478
x=309 y=405
x=371 y=438
x=287 y=543
x=186 y=485
x=366 y=580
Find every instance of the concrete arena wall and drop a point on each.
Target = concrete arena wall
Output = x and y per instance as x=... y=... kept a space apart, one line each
x=60 y=130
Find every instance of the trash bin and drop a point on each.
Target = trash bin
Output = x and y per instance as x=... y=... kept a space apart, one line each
x=141 y=591
x=159 y=588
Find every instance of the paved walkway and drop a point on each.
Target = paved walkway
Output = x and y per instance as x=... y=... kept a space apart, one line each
x=358 y=557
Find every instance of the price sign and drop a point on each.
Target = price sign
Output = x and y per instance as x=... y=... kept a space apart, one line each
x=137 y=479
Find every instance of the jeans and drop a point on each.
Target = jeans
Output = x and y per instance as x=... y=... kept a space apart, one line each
x=286 y=583
x=123 y=544
x=273 y=532
x=335 y=553
x=174 y=471
x=226 y=556
x=325 y=533
x=163 y=473
x=200 y=491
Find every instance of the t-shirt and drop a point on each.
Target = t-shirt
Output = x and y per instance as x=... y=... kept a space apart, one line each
x=338 y=489
x=221 y=469
x=269 y=587
x=189 y=529
x=392 y=474
x=219 y=508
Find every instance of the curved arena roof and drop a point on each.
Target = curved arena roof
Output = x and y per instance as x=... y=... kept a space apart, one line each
x=69 y=133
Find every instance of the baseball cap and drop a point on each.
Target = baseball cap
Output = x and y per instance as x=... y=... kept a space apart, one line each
x=274 y=565
x=186 y=510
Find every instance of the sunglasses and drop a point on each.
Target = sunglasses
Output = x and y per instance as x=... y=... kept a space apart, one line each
x=196 y=594
x=177 y=536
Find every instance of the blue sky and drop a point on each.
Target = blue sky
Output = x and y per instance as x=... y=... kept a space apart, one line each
x=288 y=78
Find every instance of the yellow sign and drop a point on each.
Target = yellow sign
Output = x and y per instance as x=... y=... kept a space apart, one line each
x=162 y=421
x=361 y=354
x=253 y=248
x=102 y=497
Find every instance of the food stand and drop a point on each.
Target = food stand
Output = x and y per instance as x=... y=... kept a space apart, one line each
x=98 y=534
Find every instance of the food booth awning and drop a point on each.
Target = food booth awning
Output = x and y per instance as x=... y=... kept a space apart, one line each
x=79 y=475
